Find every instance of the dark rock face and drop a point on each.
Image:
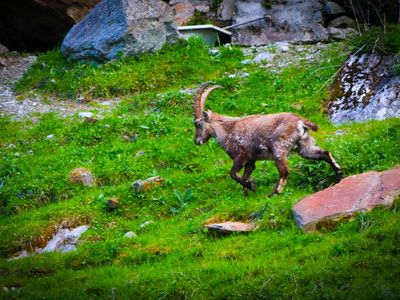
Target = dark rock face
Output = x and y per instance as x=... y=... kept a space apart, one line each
x=358 y=193
x=120 y=27
x=296 y=21
x=366 y=88
x=33 y=25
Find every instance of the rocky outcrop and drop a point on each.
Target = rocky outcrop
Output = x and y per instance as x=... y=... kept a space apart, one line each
x=291 y=21
x=366 y=88
x=120 y=27
x=358 y=193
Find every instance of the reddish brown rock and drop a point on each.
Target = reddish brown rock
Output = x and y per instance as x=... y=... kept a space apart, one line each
x=358 y=193
x=183 y=11
x=82 y=176
x=113 y=203
x=229 y=227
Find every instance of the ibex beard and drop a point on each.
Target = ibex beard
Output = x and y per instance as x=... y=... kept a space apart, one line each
x=258 y=137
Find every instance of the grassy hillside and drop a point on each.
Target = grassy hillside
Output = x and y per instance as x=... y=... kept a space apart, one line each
x=151 y=133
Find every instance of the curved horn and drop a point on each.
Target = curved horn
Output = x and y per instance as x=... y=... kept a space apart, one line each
x=205 y=94
x=197 y=111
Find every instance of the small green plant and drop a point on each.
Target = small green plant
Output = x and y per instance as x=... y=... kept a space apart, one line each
x=183 y=201
x=381 y=40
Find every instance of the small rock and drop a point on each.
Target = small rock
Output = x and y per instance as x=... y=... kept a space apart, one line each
x=5 y=289
x=246 y=62
x=90 y=120
x=144 y=185
x=85 y=114
x=106 y=103
x=20 y=254
x=82 y=176
x=202 y=8
x=264 y=57
x=231 y=75
x=16 y=154
x=113 y=203
x=342 y=22
x=50 y=137
x=340 y=132
x=130 y=235
x=341 y=33
x=283 y=46
x=30 y=152
x=213 y=52
x=140 y=153
x=146 y=224
x=11 y=146
x=229 y=227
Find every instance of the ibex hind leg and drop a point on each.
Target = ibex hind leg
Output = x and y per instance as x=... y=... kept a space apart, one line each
x=311 y=151
x=281 y=164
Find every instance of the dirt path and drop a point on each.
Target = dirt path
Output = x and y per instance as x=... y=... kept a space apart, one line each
x=18 y=109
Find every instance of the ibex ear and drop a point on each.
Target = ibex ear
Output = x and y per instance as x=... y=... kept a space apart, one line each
x=206 y=118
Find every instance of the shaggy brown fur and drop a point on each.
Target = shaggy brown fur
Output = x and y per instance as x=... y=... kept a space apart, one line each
x=258 y=137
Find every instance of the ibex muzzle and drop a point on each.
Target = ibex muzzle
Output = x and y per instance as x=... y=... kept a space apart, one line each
x=258 y=137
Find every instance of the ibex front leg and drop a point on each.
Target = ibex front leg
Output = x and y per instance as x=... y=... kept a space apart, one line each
x=249 y=167
x=237 y=166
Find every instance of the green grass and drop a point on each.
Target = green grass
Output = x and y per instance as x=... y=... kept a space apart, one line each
x=173 y=66
x=382 y=40
x=173 y=257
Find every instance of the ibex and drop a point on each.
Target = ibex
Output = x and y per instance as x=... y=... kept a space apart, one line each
x=257 y=137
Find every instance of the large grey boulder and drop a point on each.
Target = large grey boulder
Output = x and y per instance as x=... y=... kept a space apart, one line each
x=292 y=20
x=120 y=27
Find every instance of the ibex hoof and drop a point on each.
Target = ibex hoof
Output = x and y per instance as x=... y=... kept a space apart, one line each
x=251 y=186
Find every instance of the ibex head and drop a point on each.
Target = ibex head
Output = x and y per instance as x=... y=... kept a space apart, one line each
x=201 y=121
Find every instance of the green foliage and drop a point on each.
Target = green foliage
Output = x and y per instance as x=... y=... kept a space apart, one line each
x=382 y=40
x=173 y=66
x=172 y=257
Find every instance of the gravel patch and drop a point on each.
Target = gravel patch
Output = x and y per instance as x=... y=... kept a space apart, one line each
x=17 y=108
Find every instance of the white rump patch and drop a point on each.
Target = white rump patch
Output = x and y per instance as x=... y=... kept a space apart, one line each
x=302 y=129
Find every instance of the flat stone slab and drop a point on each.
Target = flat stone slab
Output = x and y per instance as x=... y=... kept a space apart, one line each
x=230 y=227
x=358 y=193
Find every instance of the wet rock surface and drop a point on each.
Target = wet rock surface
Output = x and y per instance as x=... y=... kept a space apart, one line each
x=365 y=89
x=64 y=240
x=358 y=193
